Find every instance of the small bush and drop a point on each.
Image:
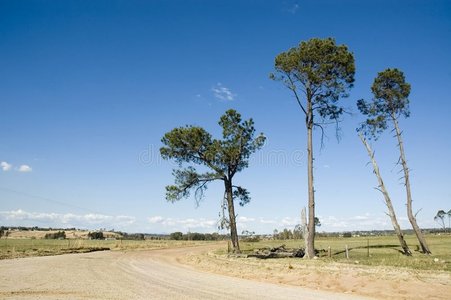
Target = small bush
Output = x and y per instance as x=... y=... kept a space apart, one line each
x=59 y=235
x=97 y=235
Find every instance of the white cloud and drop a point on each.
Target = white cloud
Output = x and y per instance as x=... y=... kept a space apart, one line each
x=266 y=221
x=289 y=221
x=24 y=169
x=21 y=217
x=245 y=219
x=188 y=224
x=222 y=93
x=155 y=220
x=5 y=166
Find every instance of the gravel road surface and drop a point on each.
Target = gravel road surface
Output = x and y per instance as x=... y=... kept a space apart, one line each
x=155 y=274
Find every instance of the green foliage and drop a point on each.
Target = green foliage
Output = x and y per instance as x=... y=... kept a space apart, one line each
x=59 y=235
x=177 y=236
x=390 y=101
x=321 y=70
x=224 y=157
x=317 y=222
x=97 y=235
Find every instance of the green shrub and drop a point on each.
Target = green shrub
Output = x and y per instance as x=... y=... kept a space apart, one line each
x=59 y=235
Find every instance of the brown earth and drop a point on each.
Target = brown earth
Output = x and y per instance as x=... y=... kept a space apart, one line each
x=189 y=273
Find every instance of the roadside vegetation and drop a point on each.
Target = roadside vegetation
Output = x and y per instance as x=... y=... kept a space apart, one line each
x=366 y=250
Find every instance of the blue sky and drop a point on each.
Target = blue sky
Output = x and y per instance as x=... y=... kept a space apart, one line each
x=88 y=88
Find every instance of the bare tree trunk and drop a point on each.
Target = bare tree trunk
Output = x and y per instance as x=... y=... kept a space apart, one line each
x=231 y=208
x=304 y=230
x=411 y=216
x=311 y=192
x=383 y=190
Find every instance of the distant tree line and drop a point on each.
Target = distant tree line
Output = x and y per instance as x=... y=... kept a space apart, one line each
x=131 y=236
x=195 y=236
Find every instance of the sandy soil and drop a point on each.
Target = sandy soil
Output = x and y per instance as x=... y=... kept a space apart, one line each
x=156 y=274
x=353 y=279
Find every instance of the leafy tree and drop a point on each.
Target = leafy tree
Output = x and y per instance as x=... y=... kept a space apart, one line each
x=390 y=102
x=441 y=216
x=297 y=232
x=318 y=73
x=176 y=236
x=222 y=157
x=97 y=235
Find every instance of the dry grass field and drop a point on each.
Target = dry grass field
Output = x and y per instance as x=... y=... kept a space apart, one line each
x=385 y=274
x=374 y=251
x=32 y=243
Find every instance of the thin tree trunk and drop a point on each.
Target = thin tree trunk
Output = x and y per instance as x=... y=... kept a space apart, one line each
x=311 y=192
x=383 y=190
x=304 y=230
x=231 y=208
x=411 y=216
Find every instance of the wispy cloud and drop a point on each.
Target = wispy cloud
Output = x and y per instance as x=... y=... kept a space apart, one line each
x=21 y=217
x=24 y=168
x=188 y=224
x=223 y=93
x=5 y=166
x=245 y=220
x=293 y=8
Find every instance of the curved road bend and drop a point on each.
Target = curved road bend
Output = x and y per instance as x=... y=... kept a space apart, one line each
x=133 y=275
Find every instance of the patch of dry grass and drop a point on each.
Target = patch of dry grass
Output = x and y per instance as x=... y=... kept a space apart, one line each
x=15 y=248
x=374 y=251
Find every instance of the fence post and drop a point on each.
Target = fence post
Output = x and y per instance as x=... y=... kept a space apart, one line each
x=329 y=252
x=347 y=252
x=368 y=247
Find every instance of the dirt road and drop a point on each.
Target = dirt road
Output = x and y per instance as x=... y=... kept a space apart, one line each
x=133 y=275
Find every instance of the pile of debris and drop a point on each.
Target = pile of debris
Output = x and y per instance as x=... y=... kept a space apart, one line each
x=277 y=252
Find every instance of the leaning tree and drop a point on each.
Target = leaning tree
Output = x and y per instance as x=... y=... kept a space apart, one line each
x=221 y=159
x=318 y=72
x=390 y=102
x=365 y=131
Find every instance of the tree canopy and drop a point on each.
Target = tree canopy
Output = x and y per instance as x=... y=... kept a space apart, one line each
x=322 y=70
x=390 y=101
